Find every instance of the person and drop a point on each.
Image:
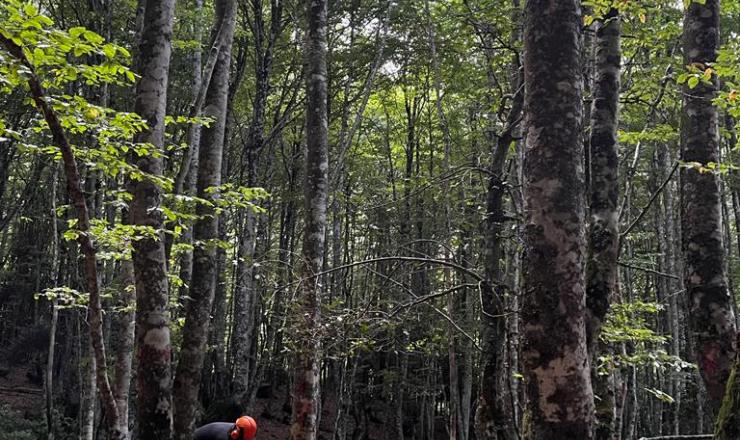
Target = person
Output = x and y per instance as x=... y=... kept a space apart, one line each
x=244 y=428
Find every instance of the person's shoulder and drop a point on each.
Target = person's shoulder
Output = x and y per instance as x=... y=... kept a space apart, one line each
x=213 y=431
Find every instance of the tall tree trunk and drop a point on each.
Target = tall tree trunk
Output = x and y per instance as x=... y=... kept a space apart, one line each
x=87 y=388
x=308 y=313
x=205 y=232
x=494 y=418
x=711 y=318
x=74 y=189
x=154 y=352
x=555 y=357
x=49 y=377
x=245 y=295
x=603 y=236
x=191 y=174
x=124 y=345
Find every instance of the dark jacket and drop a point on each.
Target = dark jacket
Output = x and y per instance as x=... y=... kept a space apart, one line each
x=213 y=431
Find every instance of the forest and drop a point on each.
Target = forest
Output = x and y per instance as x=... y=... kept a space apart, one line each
x=369 y=219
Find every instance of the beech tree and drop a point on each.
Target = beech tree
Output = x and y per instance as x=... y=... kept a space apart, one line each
x=555 y=355
x=308 y=313
x=710 y=303
x=602 y=275
x=205 y=230
x=154 y=350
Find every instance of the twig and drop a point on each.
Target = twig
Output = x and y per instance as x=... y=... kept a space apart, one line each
x=650 y=202
x=646 y=269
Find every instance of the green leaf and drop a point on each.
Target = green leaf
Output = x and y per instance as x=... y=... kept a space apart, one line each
x=30 y=10
x=693 y=82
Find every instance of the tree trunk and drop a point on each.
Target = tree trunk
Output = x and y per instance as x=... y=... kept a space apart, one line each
x=74 y=189
x=308 y=313
x=49 y=377
x=191 y=174
x=728 y=420
x=603 y=238
x=154 y=352
x=124 y=345
x=555 y=358
x=711 y=318
x=245 y=296
x=494 y=418
x=205 y=232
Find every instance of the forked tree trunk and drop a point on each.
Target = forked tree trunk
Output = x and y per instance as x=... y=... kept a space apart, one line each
x=555 y=355
x=308 y=314
x=205 y=232
x=711 y=317
x=154 y=351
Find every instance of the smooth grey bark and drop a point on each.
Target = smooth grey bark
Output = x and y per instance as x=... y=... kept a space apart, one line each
x=308 y=313
x=711 y=317
x=49 y=376
x=205 y=232
x=124 y=344
x=190 y=173
x=88 y=389
x=554 y=354
x=154 y=351
x=602 y=273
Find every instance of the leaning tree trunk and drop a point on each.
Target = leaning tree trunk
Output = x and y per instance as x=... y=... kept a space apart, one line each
x=308 y=314
x=154 y=352
x=205 y=232
x=711 y=317
x=603 y=236
x=87 y=246
x=555 y=358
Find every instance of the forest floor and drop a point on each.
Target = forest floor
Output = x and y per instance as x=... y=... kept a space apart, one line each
x=18 y=392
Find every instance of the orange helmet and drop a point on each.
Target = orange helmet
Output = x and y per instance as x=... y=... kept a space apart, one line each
x=245 y=429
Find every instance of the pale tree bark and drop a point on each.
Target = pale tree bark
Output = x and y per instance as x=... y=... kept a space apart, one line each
x=49 y=377
x=124 y=345
x=154 y=351
x=190 y=171
x=88 y=387
x=603 y=235
x=711 y=317
x=205 y=232
x=554 y=354
x=308 y=313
